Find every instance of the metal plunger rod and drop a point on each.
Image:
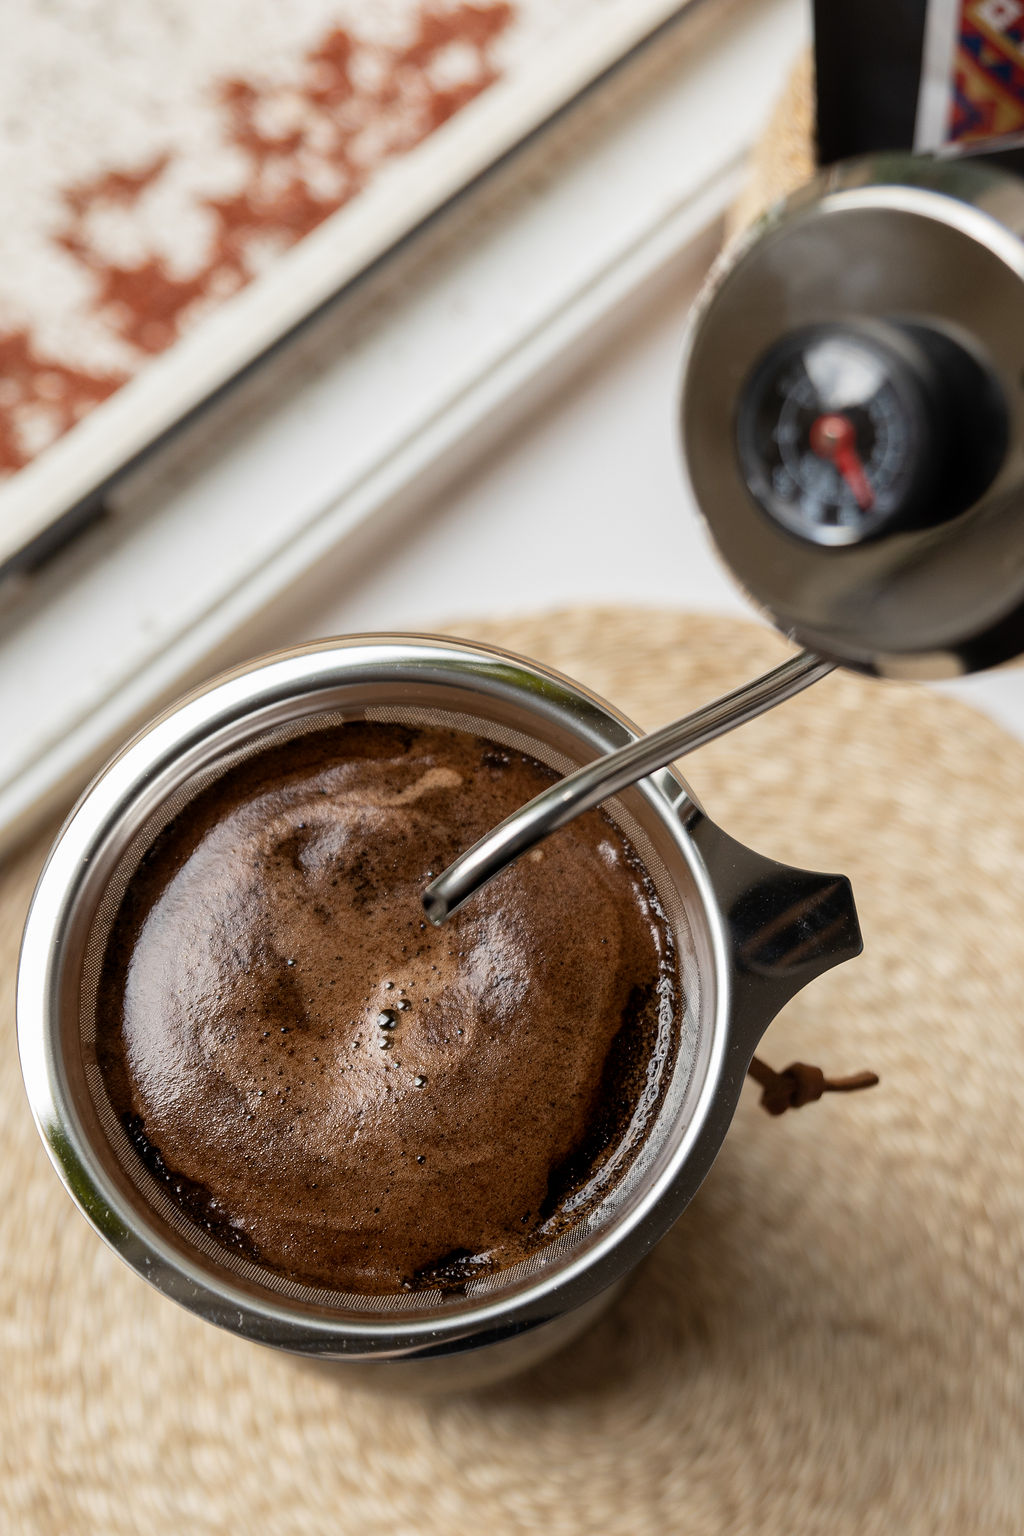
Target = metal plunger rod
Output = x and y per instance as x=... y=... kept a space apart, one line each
x=606 y=776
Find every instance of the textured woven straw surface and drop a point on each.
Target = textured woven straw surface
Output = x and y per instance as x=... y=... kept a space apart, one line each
x=784 y=158
x=832 y=1338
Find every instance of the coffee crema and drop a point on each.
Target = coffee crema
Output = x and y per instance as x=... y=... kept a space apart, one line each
x=331 y=1086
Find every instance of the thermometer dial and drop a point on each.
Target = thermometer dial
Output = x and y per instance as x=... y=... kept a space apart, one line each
x=835 y=433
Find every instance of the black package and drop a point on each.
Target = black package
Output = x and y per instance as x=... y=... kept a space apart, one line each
x=868 y=58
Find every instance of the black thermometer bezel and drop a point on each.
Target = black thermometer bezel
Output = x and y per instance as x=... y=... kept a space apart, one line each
x=904 y=501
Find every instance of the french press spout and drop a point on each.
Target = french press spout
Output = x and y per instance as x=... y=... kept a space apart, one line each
x=852 y=428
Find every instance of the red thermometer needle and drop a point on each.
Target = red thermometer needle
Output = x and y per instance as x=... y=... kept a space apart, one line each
x=834 y=437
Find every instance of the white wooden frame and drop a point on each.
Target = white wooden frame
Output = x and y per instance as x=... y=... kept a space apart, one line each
x=441 y=350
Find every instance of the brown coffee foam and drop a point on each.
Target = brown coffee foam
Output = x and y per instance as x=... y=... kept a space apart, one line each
x=830 y=1339
x=278 y=921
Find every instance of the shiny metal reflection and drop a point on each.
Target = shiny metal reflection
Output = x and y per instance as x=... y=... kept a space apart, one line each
x=588 y=786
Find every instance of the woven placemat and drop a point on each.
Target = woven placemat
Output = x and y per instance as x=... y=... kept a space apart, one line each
x=783 y=158
x=830 y=1340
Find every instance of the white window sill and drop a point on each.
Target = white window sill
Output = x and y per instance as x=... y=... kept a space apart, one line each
x=430 y=363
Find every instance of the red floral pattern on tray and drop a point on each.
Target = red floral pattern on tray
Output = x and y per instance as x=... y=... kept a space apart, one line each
x=308 y=143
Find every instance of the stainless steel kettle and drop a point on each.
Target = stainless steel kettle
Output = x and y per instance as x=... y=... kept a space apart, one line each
x=853 y=414
x=853 y=430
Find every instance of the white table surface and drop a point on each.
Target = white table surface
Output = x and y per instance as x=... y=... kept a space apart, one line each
x=584 y=502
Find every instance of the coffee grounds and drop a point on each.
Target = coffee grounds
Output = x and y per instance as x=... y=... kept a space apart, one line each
x=325 y=1082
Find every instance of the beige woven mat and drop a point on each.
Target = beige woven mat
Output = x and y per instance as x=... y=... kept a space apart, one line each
x=831 y=1338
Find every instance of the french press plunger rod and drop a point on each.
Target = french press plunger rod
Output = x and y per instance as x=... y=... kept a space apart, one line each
x=852 y=430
